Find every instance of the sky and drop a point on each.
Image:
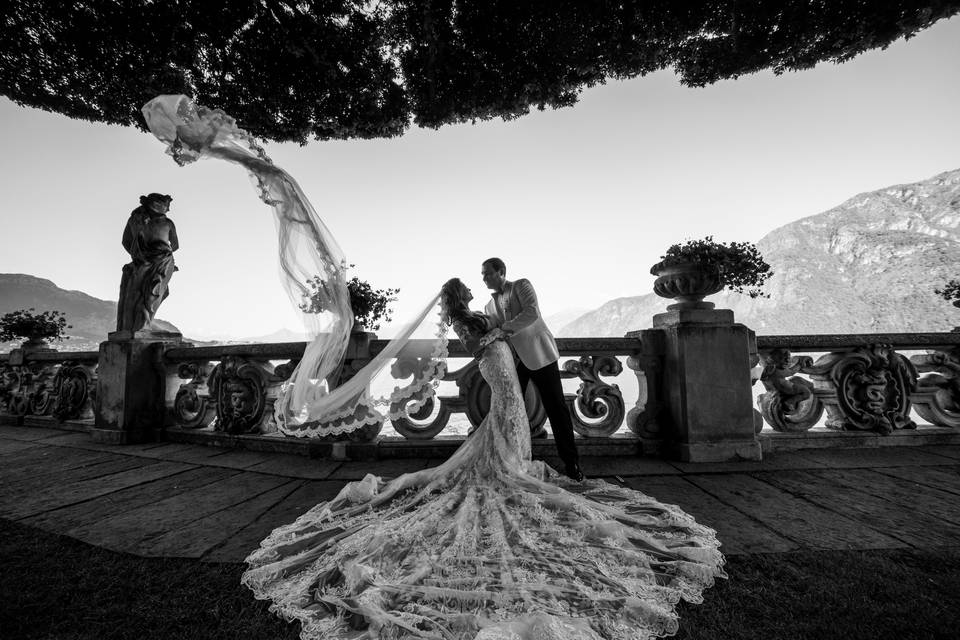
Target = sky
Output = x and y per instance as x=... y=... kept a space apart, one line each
x=581 y=201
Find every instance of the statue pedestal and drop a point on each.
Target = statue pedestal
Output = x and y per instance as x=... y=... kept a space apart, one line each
x=130 y=386
x=707 y=387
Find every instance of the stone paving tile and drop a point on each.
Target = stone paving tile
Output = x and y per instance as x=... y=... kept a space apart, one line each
x=384 y=468
x=296 y=466
x=792 y=517
x=184 y=453
x=238 y=459
x=904 y=494
x=948 y=451
x=61 y=495
x=910 y=523
x=624 y=466
x=14 y=491
x=47 y=462
x=64 y=519
x=134 y=529
x=15 y=446
x=737 y=532
x=27 y=433
x=878 y=457
x=943 y=478
x=770 y=462
x=196 y=538
x=307 y=495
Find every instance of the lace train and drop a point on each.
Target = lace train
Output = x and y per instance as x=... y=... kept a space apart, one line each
x=487 y=546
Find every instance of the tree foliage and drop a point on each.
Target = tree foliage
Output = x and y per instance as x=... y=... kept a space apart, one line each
x=292 y=70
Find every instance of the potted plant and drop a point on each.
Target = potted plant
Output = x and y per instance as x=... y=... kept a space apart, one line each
x=950 y=292
x=37 y=328
x=691 y=271
x=370 y=306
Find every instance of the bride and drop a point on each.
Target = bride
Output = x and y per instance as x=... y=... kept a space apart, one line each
x=490 y=545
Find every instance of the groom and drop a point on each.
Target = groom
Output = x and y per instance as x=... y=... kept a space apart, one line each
x=514 y=306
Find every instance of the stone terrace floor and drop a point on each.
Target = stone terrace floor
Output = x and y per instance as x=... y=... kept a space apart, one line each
x=216 y=504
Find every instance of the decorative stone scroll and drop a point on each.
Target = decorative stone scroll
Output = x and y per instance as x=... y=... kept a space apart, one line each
x=75 y=385
x=432 y=417
x=193 y=406
x=240 y=389
x=937 y=396
x=867 y=389
x=789 y=403
x=598 y=408
x=28 y=389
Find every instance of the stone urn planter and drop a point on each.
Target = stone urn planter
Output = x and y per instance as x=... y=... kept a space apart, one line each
x=688 y=283
x=36 y=345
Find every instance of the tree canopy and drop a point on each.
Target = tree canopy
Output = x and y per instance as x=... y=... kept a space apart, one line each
x=292 y=70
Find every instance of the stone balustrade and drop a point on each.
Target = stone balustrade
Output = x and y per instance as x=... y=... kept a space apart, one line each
x=48 y=385
x=233 y=388
x=863 y=382
x=693 y=399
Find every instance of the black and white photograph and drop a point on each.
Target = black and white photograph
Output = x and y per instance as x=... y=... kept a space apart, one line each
x=444 y=320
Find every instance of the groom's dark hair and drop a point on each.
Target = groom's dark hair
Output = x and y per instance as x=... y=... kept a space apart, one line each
x=496 y=263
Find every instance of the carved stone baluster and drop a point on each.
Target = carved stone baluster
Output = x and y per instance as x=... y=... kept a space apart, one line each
x=937 y=396
x=867 y=389
x=597 y=409
x=193 y=406
x=418 y=425
x=76 y=384
x=642 y=417
x=790 y=403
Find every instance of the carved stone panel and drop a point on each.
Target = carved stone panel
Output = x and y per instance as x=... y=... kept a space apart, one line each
x=937 y=396
x=789 y=403
x=239 y=387
x=76 y=385
x=871 y=388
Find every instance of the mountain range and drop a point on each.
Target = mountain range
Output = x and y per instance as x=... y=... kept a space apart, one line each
x=870 y=264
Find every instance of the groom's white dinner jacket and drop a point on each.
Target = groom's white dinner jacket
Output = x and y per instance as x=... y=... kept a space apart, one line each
x=516 y=310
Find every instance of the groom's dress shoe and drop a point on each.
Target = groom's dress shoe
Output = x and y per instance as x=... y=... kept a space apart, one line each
x=575 y=473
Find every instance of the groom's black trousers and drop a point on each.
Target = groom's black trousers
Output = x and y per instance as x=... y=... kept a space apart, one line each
x=547 y=382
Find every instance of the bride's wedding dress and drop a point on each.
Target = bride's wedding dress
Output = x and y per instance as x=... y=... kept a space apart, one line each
x=489 y=545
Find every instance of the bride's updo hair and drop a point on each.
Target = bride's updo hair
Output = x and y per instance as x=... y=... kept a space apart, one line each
x=454 y=307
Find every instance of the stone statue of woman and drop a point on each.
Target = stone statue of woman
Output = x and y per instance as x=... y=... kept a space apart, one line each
x=150 y=238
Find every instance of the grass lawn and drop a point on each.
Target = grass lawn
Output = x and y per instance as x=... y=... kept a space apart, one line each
x=54 y=587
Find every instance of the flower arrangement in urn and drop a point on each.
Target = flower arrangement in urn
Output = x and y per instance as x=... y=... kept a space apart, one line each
x=370 y=306
x=37 y=328
x=691 y=271
x=950 y=292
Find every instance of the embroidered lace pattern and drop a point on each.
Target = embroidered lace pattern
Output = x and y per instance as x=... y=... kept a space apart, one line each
x=488 y=545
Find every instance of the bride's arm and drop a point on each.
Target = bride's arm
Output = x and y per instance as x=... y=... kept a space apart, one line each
x=469 y=340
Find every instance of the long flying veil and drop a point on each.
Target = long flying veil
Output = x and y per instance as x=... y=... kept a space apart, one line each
x=309 y=405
